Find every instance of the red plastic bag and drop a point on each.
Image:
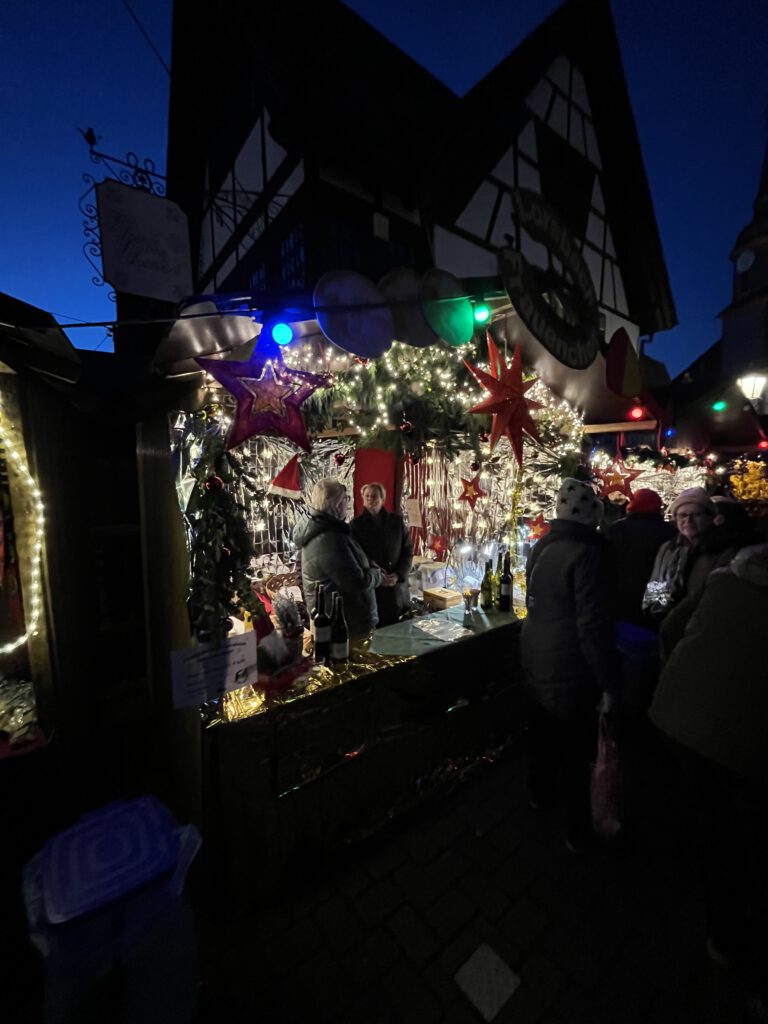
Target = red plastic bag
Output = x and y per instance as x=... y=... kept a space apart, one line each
x=606 y=784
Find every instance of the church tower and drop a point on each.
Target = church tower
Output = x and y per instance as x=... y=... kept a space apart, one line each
x=745 y=320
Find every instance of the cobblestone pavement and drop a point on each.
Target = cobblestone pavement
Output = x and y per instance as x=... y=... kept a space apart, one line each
x=472 y=909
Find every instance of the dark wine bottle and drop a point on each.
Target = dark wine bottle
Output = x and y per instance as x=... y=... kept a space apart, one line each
x=313 y=611
x=339 y=632
x=505 y=587
x=497 y=580
x=322 y=628
x=486 y=587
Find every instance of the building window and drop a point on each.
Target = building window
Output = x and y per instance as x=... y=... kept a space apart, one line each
x=292 y=260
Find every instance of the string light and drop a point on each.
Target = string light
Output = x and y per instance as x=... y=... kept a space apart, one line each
x=32 y=600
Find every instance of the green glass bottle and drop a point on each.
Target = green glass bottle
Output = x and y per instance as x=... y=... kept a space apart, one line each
x=486 y=587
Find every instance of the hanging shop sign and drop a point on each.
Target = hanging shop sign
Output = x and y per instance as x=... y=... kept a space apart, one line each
x=575 y=344
x=144 y=243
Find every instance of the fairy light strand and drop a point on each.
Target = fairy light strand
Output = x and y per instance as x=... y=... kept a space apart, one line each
x=16 y=463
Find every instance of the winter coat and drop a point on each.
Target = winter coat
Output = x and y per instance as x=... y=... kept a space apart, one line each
x=386 y=541
x=330 y=556
x=715 y=551
x=713 y=693
x=567 y=642
x=634 y=543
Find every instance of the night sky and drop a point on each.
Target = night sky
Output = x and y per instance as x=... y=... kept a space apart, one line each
x=697 y=76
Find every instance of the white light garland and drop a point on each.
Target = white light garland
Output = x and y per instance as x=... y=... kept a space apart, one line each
x=16 y=463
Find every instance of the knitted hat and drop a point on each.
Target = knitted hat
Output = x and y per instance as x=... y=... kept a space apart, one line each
x=645 y=502
x=577 y=502
x=694 y=496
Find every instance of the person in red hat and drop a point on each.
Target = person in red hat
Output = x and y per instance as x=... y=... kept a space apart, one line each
x=634 y=543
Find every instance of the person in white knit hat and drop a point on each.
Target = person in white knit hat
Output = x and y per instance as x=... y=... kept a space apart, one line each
x=568 y=654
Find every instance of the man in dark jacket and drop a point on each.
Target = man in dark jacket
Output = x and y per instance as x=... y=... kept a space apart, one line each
x=634 y=543
x=568 y=653
x=384 y=537
x=330 y=556
x=712 y=701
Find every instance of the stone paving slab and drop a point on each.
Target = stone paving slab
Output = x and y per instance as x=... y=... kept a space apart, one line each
x=472 y=910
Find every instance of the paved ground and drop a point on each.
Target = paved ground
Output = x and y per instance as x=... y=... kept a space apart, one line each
x=472 y=910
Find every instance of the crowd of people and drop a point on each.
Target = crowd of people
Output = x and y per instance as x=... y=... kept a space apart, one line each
x=644 y=616
x=694 y=591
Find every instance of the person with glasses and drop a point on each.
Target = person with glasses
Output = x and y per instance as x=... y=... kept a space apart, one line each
x=683 y=564
x=329 y=555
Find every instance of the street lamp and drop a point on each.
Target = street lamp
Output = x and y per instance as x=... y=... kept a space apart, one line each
x=752 y=386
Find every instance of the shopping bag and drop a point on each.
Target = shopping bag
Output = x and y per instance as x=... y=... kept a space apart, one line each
x=606 y=784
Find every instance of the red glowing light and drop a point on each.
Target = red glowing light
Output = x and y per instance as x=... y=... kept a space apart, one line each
x=762 y=444
x=636 y=412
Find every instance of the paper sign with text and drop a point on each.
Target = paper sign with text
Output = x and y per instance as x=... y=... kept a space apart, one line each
x=205 y=672
x=413 y=512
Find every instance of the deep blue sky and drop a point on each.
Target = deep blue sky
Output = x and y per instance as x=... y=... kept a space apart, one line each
x=697 y=75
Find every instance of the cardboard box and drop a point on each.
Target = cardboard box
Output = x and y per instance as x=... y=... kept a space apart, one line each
x=436 y=598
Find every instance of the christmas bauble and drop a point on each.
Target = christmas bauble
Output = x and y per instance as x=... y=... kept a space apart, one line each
x=339 y=458
x=214 y=483
x=407 y=427
x=474 y=466
x=417 y=388
x=484 y=436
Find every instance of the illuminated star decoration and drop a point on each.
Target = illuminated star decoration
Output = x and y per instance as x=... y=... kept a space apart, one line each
x=538 y=527
x=268 y=394
x=472 y=491
x=506 y=400
x=616 y=477
x=439 y=545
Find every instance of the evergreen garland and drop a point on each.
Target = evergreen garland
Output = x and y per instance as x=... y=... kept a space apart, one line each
x=221 y=546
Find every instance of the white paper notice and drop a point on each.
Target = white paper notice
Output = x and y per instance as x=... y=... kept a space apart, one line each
x=205 y=672
x=413 y=512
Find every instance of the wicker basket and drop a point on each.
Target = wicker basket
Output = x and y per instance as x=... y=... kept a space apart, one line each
x=275 y=583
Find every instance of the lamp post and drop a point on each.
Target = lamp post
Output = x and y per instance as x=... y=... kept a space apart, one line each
x=753 y=387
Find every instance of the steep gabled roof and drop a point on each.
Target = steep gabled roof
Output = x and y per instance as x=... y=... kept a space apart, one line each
x=494 y=111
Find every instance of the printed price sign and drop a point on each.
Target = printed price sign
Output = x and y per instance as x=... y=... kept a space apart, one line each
x=205 y=672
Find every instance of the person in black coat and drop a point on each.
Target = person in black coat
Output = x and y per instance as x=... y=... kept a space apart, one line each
x=568 y=653
x=634 y=543
x=385 y=539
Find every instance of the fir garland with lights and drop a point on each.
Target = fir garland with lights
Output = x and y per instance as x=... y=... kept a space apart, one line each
x=221 y=544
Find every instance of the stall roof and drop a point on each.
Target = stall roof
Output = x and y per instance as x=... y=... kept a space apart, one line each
x=31 y=339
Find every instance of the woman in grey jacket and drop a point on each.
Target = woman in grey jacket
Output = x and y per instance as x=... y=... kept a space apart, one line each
x=330 y=556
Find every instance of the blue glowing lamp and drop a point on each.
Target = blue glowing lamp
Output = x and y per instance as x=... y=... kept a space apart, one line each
x=282 y=333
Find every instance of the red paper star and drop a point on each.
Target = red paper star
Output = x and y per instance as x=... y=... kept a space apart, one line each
x=268 y=394
x=506 y=399
x=617 y=477
x=538 y=527
x=439 y=545
x=472 y=491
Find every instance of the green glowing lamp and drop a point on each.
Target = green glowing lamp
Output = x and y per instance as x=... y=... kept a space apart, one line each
x=482 y=313
x=720 y=406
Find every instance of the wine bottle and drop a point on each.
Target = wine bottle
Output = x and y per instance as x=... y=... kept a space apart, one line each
x=313 y=612
x=339 y=632
x=322 y=628
x=486 y=587
x=497 y=580
x=505 y=587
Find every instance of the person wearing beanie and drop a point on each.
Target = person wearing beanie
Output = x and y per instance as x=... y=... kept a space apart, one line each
x=684 y=562
x=568 y=654
x=634 y=543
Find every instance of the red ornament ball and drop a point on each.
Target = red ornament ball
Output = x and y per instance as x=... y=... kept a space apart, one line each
x=474 y=466
x=339 y=458
x=214 y=483
x=484 y=436
x=406 y=426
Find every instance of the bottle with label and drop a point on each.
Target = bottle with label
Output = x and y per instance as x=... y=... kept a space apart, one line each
x=322 y=628
x=486 y=587
x=505 y=587
x=339 y=632
x=497 y=580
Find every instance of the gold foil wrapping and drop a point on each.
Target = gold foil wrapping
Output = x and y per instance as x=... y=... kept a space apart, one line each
x=249 y=700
